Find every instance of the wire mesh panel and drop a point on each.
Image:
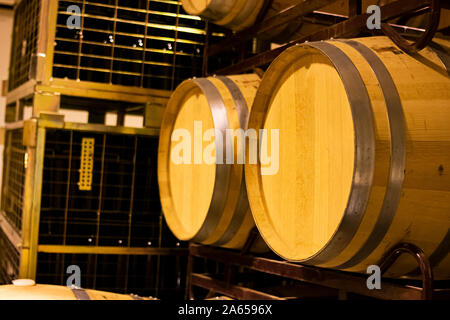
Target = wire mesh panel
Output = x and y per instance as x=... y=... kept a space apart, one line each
x=163 y=277
x=24 y=45
x=141 y=43
x=9 y=260
x=13 y=177
x=122 y=207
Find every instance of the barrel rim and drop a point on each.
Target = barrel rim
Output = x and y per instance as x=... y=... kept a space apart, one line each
x=397 y=131
x=363 y=121
x=242 y=205
x=214 y=10
x=236 y=18
x=222 y=172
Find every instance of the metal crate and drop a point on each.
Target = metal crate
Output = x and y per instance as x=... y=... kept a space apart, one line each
x=99 y=209
x=124 y=57
x=24 y=44
x=149 y=44
x=121 y=209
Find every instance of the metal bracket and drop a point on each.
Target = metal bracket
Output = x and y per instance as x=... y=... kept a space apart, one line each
x=424 y=264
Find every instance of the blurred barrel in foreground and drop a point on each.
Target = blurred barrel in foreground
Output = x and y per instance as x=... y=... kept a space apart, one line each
x=364 y=140
x=203 y=194
x=27 y=290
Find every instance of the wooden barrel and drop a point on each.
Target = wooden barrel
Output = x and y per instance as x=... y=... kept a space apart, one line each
x=201 y=183
x=27 y=290
x=240 y=14
x=364 y=155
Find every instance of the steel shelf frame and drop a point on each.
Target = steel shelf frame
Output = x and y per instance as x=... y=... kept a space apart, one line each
x=342 y=282
x=351 y=25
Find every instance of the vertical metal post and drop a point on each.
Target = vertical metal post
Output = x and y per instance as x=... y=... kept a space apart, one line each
x=190 y=268
x=80 y=43
x=355 y=8
x=205 y=50
x=144 y=49
x=174 y=61
x=69 y=175
x=32 y=200
x=113 y=41
x=99 y=210
x=66 y=207
x=46 y=40
x=130 y=213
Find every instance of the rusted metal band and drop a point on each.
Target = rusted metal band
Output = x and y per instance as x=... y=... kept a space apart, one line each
x=242 y=206
x=397 y=127
x=223 y=170
x=80 y=294
x=363 y=121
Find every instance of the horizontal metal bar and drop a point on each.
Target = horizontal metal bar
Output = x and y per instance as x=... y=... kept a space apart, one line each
x=108 y=45
x=151 y=25
x=57 y=65
x=232 y=291
x=14 y=125
x=137 y=35
x=97 y=128
x=104 y=91
x=441 y=294
x=185 y=16
x=24 y=90
x=328 y=278
x=112 y=250
x=353 y=24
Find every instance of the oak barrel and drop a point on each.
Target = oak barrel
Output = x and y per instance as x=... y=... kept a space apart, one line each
x=364 y=155
x=240 y=14
x=203 y=192
x=24 y=289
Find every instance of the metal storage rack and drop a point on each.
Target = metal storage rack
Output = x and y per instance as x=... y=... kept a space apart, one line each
x=113 y=229
x=307 y=281
x=334 y=26
x=125 y=58
x=134 y=53
x=226 y=272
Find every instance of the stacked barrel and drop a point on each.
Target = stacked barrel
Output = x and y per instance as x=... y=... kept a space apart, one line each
x=238 y=15
x=362 y=135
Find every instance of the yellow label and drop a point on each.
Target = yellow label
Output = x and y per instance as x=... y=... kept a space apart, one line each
x=86 y=164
